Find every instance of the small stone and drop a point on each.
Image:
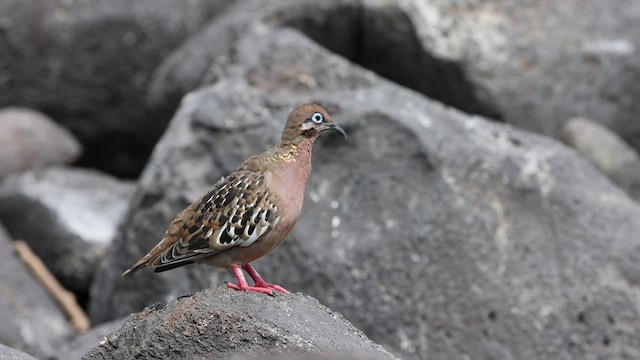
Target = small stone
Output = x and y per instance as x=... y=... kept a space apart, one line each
x=31 y=140
x=607 y=151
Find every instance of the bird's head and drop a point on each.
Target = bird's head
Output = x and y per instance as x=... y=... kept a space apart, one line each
x=308 y=121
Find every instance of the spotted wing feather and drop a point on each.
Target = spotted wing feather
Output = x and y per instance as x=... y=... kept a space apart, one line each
x=237 y=211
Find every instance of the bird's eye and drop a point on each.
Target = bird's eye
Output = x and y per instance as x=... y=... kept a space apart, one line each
x=317 y=118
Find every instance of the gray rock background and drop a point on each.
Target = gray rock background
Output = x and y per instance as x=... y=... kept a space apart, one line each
x=87 y=64
x=533 y=64
x=542 y=62
x=441 y=235
x=444 y=227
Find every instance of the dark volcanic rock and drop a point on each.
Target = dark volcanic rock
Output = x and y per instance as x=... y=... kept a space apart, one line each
x=218 y=323
x=68 y=216
x=30 y=140
x=309 y=357
x=607 y=151
x=533 y=64
x=441 y=235
x=87 y=64
x=30 y=320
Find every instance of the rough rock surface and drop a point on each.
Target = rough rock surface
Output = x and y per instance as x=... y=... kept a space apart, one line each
x=7 y=353
x=68 y=216
x=30 y=320
x=218 y=323
x=87 y=64
x=533 y=64
x=31 y=140
x=607 y=151
x=441 y=235
x=309 y=357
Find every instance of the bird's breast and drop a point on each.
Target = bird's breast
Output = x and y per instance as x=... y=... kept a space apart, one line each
x=292 y=181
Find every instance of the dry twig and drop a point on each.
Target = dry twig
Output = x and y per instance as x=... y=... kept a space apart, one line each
x=65 y=299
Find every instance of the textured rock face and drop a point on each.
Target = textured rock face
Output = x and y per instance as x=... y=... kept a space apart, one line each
x=227 y=322
x=30 y=320
x=87 y=64
x=68 y=216
x=30 y=140
x=441 y=235
x=533 y=64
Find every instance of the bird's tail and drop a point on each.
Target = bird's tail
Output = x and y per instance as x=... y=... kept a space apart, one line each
x=142 y=262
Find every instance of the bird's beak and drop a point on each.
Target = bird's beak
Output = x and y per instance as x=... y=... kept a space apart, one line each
x=337 y=128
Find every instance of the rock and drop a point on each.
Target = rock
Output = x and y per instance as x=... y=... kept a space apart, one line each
x=607 y=151
x=13 y=354
x=79 y=346
x=206 y=58
x=221 y=322
x=309 y=357
x=439 y=234
x=68 y=216
x=31 y=140
x=531 y=64
x=87 y=64
x=30 y=320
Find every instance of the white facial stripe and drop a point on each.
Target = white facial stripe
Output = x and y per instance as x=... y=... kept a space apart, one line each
x=306 y=126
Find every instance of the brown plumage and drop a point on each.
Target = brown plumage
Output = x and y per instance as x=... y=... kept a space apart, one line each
x=251 y=211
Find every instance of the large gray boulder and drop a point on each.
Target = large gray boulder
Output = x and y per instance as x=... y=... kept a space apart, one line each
x=219 y=323
x=533 y=64
x=68 y=216
x=87 y=64
x=440 y=235
x=30 y=320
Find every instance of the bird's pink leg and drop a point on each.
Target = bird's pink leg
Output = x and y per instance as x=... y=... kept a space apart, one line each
x=257 y=279
x=243 y=285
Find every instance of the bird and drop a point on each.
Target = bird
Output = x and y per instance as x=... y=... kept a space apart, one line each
x=248 y=213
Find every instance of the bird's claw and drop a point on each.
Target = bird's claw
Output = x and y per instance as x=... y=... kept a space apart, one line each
x=275 y=287
x=265 y=290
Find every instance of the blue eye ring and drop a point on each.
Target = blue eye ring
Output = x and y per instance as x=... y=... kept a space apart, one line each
x=317 y=118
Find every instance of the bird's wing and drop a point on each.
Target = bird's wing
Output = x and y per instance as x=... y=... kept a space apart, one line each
x=237 y=211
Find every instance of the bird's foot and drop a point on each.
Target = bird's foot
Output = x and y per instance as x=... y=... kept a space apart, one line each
x=259 y=281
x=272 y=286
x=265 y=290
x=260 y=285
